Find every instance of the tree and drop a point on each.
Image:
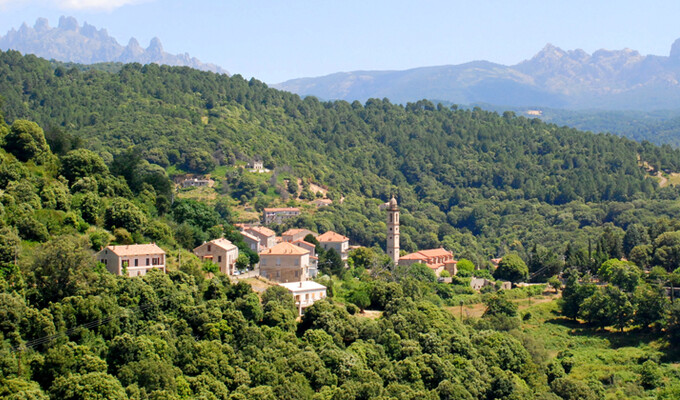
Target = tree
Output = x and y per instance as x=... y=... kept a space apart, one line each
x=59 y=268
x=608 y=306
x=359 y=297
x=331 y=263
x=242 y=261
x=499 y=305
x=465 y=265
x=667 y=250
x=82 y=163
x=512 y=268
x=651 y=305
x=122 y=213
x=574 y=295
x=26 y=141
x=91 y=386
x=555 y=283
x=636 y=235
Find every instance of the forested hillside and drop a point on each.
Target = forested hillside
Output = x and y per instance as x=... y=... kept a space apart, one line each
x=475 y=182
x=468 y=179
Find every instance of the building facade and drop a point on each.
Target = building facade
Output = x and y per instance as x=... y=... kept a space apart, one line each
x=221 y=252
x=285 y=262
x=278 y=215
x=133 y=259
x=333 y=240
x=305 y=293
x=267 y=236
x=293 y=235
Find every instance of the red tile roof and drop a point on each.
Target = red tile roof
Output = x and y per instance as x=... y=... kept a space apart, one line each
x=262 y=231
x=135 y=249
x=331 y=236
x=285 y=248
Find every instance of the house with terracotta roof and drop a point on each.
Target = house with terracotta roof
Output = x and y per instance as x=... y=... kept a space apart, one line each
x=252 y=241
x=435 y=259
x=313 y=258
x=334 y=240
x=132 y=259
x=293 y=235
x=285 y=262
x=221 y=252
x=278 y=215
x=267 y=236
x=305 y=293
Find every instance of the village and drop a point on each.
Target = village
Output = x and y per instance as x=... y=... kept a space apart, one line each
x=289 y=260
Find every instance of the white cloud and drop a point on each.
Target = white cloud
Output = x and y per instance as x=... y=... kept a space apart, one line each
x=106 y=5
x=92 y=5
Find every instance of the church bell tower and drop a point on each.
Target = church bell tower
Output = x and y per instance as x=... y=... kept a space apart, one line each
x=393 y=230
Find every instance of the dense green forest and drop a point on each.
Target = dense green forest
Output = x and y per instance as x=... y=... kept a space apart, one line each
x=476 y=182
x=71 y=330
x=549 y=199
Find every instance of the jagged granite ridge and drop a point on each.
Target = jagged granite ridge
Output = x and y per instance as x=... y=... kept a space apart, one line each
x=70 y=42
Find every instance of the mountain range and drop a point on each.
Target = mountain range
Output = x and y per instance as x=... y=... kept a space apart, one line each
x=620 y=79
x=70 y=42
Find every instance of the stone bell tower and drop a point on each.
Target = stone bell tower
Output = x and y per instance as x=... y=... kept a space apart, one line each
x=393 y=230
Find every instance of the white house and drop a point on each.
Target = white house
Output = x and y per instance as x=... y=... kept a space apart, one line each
x=305 y=293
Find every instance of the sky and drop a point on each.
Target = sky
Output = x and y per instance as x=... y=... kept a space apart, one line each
x=274 y=41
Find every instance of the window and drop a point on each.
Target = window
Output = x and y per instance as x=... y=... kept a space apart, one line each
x=125 y=263
x=219 y=259
x=209 y=248
x=136 y=262
x=278 y=274
x=278 y=261
x=147 y=261
x=296 y=273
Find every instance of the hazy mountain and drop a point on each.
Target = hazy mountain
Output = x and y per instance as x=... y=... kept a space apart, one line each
x=621 y=79
x=85 y=44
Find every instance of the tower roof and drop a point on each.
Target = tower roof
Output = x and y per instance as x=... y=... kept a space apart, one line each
x=392 y=204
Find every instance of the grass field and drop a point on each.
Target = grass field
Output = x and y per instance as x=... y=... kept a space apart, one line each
x=614 y=359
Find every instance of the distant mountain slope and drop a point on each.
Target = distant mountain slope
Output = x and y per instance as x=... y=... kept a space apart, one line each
x=621 y=79
x=70 y=42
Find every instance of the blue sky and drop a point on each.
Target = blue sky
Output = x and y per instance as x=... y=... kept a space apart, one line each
x=279 y=40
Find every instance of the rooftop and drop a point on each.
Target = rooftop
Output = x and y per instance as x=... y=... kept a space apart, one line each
x=281 y=209
x=302 y=286
x=331 y=236
x=285 y=249
x=262 y=230
x=135 y=249
x=295 y=231
x=222 y=243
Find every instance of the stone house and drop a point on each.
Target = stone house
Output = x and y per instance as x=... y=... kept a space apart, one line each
x=133 y=259
x=285 y=262
x=221 y=252
x=293 y=235
x=252 y=241
x=278 y=215
x=435 y=259
x=333 y=240
x=267 y=236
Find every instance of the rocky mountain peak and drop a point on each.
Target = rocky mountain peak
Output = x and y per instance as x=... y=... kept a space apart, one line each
x=72 y=43
x=68 y=24
x=675 y=50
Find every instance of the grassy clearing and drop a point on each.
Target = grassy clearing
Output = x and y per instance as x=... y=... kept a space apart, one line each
x=612 y=358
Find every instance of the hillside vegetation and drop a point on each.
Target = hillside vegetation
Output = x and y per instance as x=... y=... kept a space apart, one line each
x=470 y=180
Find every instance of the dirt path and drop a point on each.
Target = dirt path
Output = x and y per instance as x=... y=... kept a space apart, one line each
x=663 y=181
